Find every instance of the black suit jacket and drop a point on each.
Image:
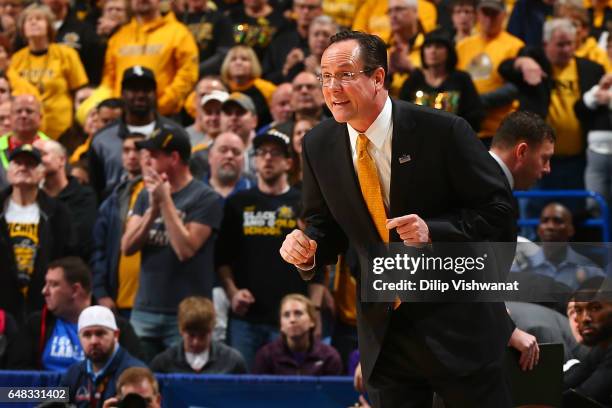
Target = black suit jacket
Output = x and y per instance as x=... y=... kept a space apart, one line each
x=454 y=185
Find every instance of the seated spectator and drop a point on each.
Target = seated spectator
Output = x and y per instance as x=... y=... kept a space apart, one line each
x=25 y=120
x=600 y=17
x=174 y=224
x=306 y=101
x=9 y=14
x=79 y=36
x=302 y=126
x=204 y=131
x=8 y=336
x=590 y=377
x=5 y=115
x=80 y=200
x=35 y=229
x=463 y=16
x=440 y=85
x=93 y=380
x=5 y=89
x=586 y=46
x=256 y=23
x=197 y=353
x=290 y=45
x=114 y=15
x=226 y=175
x=527 y=20
x=102 y=115
x=49 y=340
x=206 y=85
x=241 y=72
x=297 y=352
x=207 y=123
x=64 y=72
x=557 y=259
x=115 y=275
x=280 y=106
x=239 y=116
x=309 y=60
x=212 y=31
x=140 y=381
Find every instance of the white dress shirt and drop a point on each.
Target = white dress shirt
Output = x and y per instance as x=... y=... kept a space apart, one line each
x=379 y=134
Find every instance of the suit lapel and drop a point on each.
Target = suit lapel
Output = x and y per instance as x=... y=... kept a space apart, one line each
x=341 y=163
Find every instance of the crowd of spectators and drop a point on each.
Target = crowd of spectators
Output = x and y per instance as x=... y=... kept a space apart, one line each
x=150 y=168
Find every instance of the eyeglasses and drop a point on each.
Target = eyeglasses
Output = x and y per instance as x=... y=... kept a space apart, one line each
x=275 y=153
x=344 y=77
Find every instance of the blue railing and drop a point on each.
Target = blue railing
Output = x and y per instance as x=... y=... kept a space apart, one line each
x=602 y=222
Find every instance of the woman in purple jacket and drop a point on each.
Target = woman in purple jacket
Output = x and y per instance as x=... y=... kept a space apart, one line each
x=297 y=352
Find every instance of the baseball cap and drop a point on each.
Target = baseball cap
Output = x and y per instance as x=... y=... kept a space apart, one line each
x=242 y=100
x=274 y=136
x=168 y=138
x=26 y=149
x=492 y=4
x=140 y=74
x=97 y=316
x=215 y=95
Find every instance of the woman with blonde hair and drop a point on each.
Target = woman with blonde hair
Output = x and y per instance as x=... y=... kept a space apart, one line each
x=297 y=351
x=241 y=72
x=55 y=70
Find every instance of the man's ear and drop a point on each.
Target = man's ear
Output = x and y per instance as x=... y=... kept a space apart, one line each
x=520 y=151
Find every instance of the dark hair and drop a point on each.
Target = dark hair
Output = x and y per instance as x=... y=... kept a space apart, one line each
x=522 y=126
x=588 y=289
x=440 y=36
x=373 y=50
x=75 y=271
x=457 y=3
x=112 y=103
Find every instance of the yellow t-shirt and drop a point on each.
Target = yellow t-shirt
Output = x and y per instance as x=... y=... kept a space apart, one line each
x=129 y=267
x=56 y=74
x=591 y=51
x=561 y=116
x=481 y=58
x=342 y=11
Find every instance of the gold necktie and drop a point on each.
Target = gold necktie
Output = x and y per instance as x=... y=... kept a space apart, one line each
x=370 y=187
x=371 y=191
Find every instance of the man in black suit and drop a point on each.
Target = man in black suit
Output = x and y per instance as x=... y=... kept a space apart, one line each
x=438 y=184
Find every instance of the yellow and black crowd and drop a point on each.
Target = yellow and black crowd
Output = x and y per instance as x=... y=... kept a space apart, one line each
x=150 y=171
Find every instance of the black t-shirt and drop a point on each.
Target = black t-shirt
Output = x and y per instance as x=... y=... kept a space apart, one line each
x=253 y=229
x=257 y=32
x=211 y=29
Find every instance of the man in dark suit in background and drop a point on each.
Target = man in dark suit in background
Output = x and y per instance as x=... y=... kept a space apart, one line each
x=437 y=183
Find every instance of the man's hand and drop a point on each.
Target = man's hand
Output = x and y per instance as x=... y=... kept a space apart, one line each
x=411 y=228
x=241 y=301
x=298 y=249
x=358 y=380
x=295 y=55
x=528 y=346
x=107 y=302
x=602 y=96
x=399 y=60
x=532 y=72
x=606 y=81
x=157 y=185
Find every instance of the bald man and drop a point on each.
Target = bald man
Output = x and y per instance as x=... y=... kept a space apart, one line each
x=25 y=119
x=80 y=199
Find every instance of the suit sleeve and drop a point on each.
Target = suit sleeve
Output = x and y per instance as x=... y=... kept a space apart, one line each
x=486 y=212
x=322 y=227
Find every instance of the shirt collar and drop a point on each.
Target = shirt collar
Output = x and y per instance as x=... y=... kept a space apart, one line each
x=504 y=168
x=378 y=130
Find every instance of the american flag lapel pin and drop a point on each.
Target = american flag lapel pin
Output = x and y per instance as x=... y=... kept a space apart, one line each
x=404 y=158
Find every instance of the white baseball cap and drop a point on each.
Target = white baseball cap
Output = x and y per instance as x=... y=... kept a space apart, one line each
x=97 y=316
x=214 y=95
